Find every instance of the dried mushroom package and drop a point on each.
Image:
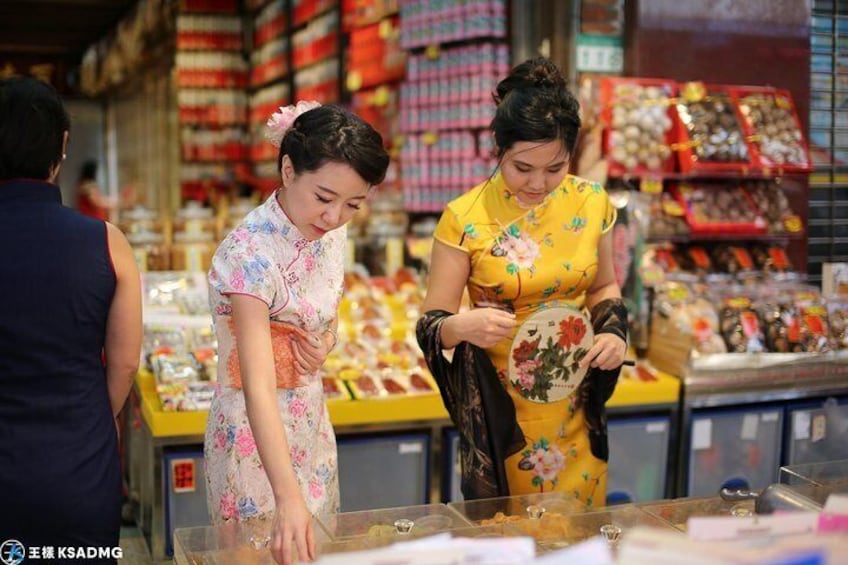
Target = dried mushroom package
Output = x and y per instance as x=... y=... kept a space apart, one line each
x=837 y=309
x=709 y=120
x=718 y=208
x=773 y=205
x=692 y=313
x=741 y=324
x=640 y=124
x=775 y=129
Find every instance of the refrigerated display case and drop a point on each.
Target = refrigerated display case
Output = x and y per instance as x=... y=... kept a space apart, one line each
x=816 y=431
x=734 y=448
x=638 y=462
x=397 y=467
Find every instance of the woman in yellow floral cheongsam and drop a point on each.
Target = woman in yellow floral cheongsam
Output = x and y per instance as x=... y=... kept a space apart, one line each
x=532 y=237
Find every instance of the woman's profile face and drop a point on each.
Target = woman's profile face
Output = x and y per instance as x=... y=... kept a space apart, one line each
x=533 y=169
x=323 y=200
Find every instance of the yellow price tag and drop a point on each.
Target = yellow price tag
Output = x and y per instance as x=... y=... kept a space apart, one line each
x=782 y=102
x=381 y=96
x=672 y=207
x=694 y=91
x=793 y=224
x=432 y=52
x=651 y=186
x=385 y=29
x=430 y=138
x=354 y=81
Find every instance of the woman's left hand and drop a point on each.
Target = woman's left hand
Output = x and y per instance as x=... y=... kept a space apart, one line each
x=310 y=351
x=607 y=353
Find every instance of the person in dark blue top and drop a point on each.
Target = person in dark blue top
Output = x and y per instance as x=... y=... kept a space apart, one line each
x=70 y=339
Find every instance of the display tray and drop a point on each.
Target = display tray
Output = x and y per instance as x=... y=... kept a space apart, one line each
x=677 y=512
x=374 y=527
x=508 y=509
x=237 y=542
x=553 y=531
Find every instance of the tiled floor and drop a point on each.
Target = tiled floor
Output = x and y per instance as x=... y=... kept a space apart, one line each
x=135 y=548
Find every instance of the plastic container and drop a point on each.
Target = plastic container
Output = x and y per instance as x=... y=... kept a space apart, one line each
x=677 y=512
x=392 y=524
x=507 y=509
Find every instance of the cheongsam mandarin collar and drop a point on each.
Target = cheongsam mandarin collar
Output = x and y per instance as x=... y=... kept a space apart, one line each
x=510 y=201
x=29 y=190
x=284 y=223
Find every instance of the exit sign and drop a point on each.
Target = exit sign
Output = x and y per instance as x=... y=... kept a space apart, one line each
x=600 y=53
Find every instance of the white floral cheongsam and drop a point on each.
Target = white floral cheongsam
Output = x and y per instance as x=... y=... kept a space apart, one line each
x=301 y=282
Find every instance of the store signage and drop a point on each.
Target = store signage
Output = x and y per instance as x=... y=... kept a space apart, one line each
x=600 y=53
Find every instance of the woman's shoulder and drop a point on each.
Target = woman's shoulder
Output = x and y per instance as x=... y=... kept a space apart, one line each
x=471 y=200
x=580 y=184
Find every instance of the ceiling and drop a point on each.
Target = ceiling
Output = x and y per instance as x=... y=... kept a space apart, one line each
x=56 y=29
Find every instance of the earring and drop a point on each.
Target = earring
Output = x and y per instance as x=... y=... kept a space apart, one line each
x=64 y=156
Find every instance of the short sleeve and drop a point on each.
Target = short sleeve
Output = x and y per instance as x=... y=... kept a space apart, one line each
x=241 y=268
x=610 y=213
x=450 y=232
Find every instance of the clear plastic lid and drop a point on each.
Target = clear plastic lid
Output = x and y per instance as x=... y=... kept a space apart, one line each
x=393 y=523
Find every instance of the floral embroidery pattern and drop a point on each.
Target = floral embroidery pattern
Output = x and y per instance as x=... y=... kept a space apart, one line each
x=538 y=365
x=545 y=460
x=520 y=250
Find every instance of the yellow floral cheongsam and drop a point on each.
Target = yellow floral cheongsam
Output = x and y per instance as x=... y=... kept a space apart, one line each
x=527 y=259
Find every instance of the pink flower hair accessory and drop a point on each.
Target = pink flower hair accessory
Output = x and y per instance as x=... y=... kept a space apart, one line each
x=280 y=122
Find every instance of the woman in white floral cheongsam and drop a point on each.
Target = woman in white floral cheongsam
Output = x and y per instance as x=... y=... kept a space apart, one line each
x=275 y=285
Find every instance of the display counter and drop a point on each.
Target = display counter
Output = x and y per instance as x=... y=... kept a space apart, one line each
x=165 y=447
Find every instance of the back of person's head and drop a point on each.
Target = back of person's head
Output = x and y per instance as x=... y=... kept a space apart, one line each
x=33 y=122
x=332 y=134
x=534 y=104
x=88 y=171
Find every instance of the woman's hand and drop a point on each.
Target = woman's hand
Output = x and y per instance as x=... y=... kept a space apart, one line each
x=292 y=529
x=607 y=353
x=483 y=327
x=310 y=351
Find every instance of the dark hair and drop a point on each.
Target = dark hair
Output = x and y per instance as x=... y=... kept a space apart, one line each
x=88 y=171
x=332 y=134
x=32 y=126
x=534 y=104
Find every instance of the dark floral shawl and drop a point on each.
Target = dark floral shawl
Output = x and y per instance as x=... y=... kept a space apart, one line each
x=483 y=412
x=479 y=407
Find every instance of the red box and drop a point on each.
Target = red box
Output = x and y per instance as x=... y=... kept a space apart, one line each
x=686 y=150
x=684 y=192
x=748 y=98
x=618 y=132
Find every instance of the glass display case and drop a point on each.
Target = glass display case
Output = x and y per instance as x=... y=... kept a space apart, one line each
x=817 y=480
x=376 y=528
x=508 y=509
x=677 y=512
x=554 y=531
x=245 y=542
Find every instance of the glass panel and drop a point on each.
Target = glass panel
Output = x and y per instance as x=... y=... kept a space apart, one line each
x=822 y=24
x=821 y=81
x=821 y=43
x=821 y=119
x=821 y=100
x=821 y=63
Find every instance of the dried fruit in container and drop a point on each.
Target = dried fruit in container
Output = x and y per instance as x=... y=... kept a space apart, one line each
x=774 y=128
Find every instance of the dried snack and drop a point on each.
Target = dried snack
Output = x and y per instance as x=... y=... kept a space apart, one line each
x=777 y=133
x=771 y=259
x=639 y=124
x=771 y=203
x=741 y=325
x=837 y=308
x=713 y=127
x=732 y=259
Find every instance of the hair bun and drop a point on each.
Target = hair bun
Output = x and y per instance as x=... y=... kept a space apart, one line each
x=545 y=74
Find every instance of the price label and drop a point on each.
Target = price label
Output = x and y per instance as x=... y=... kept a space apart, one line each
x=354 y=81
x=430 y=138
x=651 y=185
x=385 y=29
x=432 y=52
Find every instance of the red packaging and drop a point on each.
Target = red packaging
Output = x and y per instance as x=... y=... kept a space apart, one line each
x=772 y=125
x=640 y=124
